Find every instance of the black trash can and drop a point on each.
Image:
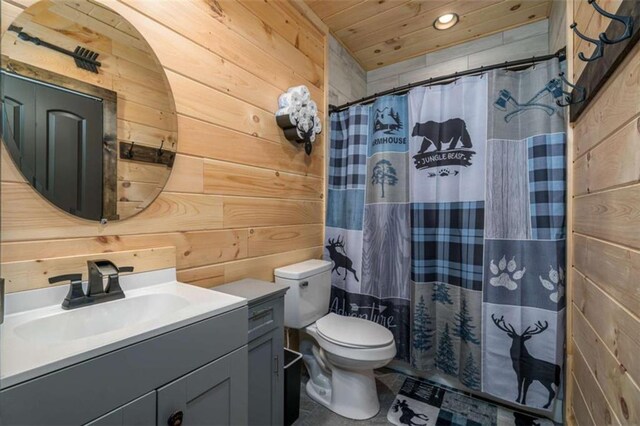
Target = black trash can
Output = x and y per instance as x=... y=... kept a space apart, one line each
x=292 y=365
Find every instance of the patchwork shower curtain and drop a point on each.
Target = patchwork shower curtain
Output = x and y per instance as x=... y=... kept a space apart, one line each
x=446 y=224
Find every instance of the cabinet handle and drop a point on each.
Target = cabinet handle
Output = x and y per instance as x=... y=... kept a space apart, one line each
x=175 y=419
x=276 y=368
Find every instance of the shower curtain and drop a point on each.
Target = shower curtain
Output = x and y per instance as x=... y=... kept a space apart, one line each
x=446 y=224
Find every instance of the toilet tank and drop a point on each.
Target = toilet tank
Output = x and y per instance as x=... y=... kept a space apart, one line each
x=307 y=299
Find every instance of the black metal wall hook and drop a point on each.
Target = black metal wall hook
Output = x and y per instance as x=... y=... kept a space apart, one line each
x=160 y=151
x=599 y=45
x=568 y=96
x=626 y=20
x=129 y=153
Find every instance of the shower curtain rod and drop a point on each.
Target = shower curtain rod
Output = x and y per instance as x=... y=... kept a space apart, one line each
x=560 y=54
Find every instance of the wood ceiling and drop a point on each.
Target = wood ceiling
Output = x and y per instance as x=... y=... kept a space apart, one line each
x=383 y=32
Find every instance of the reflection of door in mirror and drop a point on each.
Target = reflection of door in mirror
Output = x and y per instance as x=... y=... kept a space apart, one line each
x=66 y=166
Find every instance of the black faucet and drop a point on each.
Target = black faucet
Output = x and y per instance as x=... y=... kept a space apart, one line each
x=97 y=292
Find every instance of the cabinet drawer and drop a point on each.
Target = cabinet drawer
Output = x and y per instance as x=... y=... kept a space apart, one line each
x=266 y=316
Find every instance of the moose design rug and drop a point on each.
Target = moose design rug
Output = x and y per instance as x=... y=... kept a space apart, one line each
x=425 y=403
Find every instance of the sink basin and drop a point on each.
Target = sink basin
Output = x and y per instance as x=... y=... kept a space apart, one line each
x=39 y=337
x=103 y=318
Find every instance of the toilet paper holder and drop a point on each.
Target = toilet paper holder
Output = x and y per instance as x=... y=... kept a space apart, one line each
x=297 y=116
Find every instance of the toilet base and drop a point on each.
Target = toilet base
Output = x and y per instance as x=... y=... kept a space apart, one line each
x=349 y=393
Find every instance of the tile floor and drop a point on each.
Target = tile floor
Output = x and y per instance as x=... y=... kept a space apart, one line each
x=313 y=414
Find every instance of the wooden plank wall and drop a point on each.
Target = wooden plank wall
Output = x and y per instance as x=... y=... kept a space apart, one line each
x=517 y=43
x=604 y=319
x=241 y=199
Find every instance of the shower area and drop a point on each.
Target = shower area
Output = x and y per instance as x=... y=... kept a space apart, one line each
x=446 y=224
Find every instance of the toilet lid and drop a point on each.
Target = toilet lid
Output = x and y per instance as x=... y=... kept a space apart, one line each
x=352 y=331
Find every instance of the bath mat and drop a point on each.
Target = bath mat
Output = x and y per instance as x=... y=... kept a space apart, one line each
x=425 y=403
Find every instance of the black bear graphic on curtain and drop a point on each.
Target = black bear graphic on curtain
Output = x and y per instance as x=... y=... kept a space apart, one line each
x=340 y=260
x=450 y=132
x=527 y=368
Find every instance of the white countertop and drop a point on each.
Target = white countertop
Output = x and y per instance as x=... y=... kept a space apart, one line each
x=39 y=337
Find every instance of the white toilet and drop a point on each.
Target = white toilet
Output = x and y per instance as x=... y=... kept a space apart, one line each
x=349 y=348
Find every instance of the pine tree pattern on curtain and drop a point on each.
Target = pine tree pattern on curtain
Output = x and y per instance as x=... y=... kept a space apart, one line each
x=446 y=224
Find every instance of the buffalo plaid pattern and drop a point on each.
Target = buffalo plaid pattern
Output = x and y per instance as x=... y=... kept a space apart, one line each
x=547 y=181
x=348 y=159
x=447 y=243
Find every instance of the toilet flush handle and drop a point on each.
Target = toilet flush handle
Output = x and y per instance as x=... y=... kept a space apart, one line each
x=304 y=284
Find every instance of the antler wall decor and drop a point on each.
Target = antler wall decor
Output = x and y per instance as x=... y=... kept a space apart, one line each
x=298 y=117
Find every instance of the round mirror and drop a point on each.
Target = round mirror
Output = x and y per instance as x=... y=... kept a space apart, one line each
x=87 y=112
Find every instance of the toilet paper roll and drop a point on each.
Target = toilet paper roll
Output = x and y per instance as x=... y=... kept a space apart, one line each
x=301 y=90
x=312 y=107
x=290 y=99
x=317 y=128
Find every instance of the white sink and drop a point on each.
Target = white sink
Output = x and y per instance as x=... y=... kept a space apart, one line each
x=38 y=336
x=90 y=321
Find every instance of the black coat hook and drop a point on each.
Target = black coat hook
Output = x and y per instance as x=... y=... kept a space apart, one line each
x=130 y=151
x=568 y=95
x=626 y=20
x=160 y=151
x=599 y=45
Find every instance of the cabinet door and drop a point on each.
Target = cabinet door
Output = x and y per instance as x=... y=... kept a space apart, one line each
x=215 y=394
x=266 y=385
x=139 y=412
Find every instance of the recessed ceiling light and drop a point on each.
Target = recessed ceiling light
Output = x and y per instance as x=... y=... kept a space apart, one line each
x=445 y=21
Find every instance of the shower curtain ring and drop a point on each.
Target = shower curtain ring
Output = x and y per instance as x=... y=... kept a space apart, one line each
x=599 y=45
x=626 y=20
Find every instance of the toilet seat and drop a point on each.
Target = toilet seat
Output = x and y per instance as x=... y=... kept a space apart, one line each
x=353 y=332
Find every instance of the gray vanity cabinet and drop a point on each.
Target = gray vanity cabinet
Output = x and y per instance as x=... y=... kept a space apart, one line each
x=266 y=348
x=139 y=412
x=199 y=369
x=266 y=386
x=211 y=395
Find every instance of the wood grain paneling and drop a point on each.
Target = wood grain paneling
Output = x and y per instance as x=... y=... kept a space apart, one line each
x=612 y=163
x=29 y=274
x=596 y=403
x=204 y=139
x=619 y=389
x=613 y=267
x=240 y=212
x=611 y=215
x=232 y=179
x=580 y=410
x=263 y=241
x=240 y=200
x=386 y=32
x=604 y=326
x=617 y=328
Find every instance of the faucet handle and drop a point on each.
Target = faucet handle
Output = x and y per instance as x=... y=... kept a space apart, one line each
x=75 y=296
x=67 y=277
